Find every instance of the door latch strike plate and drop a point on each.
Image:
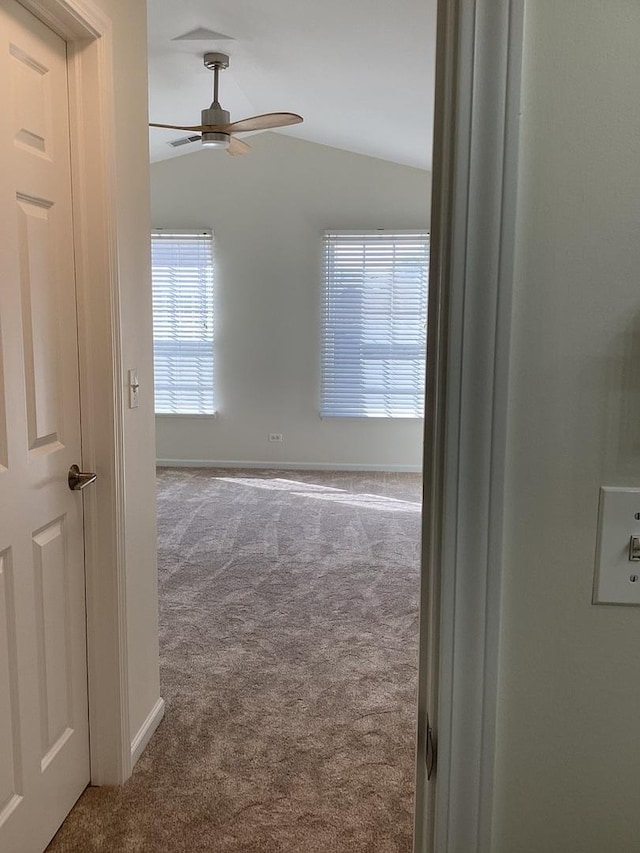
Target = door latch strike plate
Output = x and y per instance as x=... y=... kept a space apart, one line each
x=430 y=752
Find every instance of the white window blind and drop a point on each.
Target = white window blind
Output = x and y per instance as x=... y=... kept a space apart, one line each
x=374 y=324
x=182 y=274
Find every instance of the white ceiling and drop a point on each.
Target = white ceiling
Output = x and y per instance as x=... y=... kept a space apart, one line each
x=361 y=72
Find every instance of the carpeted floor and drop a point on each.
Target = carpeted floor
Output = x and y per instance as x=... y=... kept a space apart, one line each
x=289 y=626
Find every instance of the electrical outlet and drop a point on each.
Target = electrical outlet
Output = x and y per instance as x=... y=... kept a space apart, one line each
x=275 y=436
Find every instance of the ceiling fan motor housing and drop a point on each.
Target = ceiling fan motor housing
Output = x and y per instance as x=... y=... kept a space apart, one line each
x=215 y=115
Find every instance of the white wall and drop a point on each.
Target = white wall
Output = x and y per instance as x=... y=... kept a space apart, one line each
x=268 y=210
x=569 y=744
x=132 y=198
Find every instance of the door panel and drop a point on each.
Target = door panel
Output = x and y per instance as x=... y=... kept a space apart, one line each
x=40 y=323
x=10 y=784
x=44 y=743
x=32 y=101
x=52 y=630
x=3 y=418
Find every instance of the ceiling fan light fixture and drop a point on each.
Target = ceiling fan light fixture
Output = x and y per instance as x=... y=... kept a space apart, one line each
x=215 y=139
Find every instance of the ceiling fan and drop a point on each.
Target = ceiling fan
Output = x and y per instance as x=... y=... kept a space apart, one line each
x=216 y=129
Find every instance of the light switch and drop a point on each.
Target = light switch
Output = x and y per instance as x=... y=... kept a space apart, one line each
x=617 y=576
x=134 y=388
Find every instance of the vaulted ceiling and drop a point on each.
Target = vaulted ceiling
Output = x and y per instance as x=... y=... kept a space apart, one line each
x=361 y=72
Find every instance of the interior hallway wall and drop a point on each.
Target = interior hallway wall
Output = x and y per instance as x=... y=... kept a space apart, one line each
x=132 y=199
x=568 y=744
x=268 y=210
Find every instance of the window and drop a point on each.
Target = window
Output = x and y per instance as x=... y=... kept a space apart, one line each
x=374 y=324
x=182 y=275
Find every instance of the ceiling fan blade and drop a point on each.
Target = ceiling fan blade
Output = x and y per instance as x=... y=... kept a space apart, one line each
x=263 y=122
x=237 y=146
x=196 y=127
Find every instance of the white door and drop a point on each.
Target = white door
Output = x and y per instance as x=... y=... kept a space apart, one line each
x=44 y=742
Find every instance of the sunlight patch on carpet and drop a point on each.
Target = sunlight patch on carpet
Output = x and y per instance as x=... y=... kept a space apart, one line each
x=327 y=493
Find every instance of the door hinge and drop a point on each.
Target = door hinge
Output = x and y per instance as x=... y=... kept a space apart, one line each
x=430 y=751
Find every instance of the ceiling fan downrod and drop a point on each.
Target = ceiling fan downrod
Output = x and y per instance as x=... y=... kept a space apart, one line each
x=215 y=115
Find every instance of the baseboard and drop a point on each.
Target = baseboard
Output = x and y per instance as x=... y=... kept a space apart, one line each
x=146 y=731
x=288 y=466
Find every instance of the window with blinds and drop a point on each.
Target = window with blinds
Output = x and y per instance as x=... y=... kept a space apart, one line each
x=182 y=276
x=374 y=324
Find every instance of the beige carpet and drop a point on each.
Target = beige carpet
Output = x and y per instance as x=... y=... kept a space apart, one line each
x=289 y=623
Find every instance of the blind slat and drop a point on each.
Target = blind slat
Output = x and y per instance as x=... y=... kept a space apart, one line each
x=374 y=324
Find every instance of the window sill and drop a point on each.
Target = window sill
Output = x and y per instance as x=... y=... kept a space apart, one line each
x=391 y=418
x=185 y=415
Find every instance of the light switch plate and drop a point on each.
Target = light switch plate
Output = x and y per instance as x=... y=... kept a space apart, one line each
x=617 y=578
x=134 y=389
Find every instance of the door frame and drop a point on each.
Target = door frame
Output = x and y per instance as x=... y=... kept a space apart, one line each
x=478 y=63
x=88 y=33
x=478 y=80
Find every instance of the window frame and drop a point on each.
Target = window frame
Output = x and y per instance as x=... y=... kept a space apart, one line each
x=167 y=233
x=366 y=233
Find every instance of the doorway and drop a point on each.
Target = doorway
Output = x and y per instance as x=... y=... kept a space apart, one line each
x=453 y=811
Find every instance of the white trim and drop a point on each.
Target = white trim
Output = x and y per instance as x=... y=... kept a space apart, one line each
x=185 y=415
x=475 y=179
x=371 y=232
x=513 y=39
x=73 y=20
x=181 y=232
x=146 y=731
x=88 y=33
x=276 y=465
x=434 y=442
x=385 y=419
